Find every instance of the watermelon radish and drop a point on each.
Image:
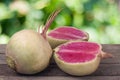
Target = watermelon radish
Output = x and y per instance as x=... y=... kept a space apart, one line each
x=66 y=33
x=28 y=51
x=79 y=58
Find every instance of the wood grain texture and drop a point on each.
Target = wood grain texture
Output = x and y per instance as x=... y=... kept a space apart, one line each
x=109 y=69
x=2 y=48
x=53 y=70
x=60 y=78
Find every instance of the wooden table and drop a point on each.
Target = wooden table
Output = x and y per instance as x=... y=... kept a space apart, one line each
x=109 y=69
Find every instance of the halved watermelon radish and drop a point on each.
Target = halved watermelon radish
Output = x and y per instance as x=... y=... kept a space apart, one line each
x=79 y=58
x=66 y=33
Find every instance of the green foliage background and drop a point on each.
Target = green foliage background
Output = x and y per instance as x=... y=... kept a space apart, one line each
x=100 y=18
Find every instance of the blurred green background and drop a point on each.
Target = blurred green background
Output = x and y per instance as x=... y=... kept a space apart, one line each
x=100 y=18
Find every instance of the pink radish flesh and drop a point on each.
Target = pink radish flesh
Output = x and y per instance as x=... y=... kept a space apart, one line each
x=75 y=52
x=67 y=33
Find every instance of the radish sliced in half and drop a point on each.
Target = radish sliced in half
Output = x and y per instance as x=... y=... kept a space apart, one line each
x=63 y=34
x=79 y=58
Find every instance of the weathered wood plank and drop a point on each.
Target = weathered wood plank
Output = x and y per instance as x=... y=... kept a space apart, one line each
x=110 y=48
x=115 y=60
x=2 y=59
x=113 y=49
x=53 y=70
x=2 y=48
x=60 y=78
x=109 y=69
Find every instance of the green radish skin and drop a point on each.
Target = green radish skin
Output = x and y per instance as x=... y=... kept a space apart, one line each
x=55 y=42
x=26 y=54
x=29 y=52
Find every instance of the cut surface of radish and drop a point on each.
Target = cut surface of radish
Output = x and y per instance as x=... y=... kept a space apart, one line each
x=68 y=33
x=78 y=52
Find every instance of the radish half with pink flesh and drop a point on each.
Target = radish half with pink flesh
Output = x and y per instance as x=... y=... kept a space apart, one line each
x=66 y=33
x=79 y=58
